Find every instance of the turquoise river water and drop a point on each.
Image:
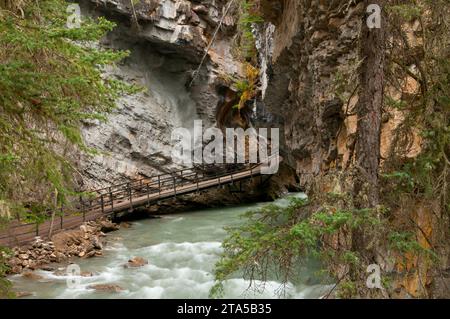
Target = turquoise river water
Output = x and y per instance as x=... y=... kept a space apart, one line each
x=181 y=250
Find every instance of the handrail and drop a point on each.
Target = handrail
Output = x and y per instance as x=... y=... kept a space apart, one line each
x=107 y=198
x=169 y=175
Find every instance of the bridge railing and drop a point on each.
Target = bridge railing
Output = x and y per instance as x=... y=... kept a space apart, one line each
x=103 y=201
x=108 y=197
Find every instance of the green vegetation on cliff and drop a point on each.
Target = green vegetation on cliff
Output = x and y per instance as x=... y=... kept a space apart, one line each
x=248 y=17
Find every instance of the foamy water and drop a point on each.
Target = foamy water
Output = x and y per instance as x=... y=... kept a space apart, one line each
x=181 y=250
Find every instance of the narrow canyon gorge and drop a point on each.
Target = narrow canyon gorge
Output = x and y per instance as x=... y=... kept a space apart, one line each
x=363 y=115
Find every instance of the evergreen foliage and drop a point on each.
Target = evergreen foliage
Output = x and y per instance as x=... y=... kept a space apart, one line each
x=50 y=81
x=428 y=110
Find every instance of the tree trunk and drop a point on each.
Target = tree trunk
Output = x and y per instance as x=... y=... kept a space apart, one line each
x=367 y=151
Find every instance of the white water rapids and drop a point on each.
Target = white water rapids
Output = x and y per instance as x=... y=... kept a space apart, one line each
x=181 y=249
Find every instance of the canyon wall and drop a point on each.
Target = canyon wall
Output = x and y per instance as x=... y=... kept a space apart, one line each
x=309 y=56
x=167 y=40
x=307 y=46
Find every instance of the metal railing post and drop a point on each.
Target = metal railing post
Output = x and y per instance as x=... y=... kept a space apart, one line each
x=88 y=204
x=83 y=211
x=111 y=199
x=129 y=195
x=103 y=204
x=61 y=211
x=159 y=185
x=174 y=186
x=196 y=178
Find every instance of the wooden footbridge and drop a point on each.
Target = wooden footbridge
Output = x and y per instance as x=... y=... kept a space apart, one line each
x=126 y=197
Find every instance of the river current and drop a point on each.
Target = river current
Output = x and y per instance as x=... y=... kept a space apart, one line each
x=181 y=250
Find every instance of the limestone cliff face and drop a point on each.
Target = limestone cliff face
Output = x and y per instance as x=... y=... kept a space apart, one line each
x=305 y=48
x=308 y=53
x=309 y=58
x=167 y=40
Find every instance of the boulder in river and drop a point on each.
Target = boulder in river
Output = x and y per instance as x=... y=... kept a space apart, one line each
x=86 y=274
x=96 y=243
x=106 y=288
x=21 y=294
x=32 y=275
x=136 y=262
x=125 y=224
x=107 y=226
